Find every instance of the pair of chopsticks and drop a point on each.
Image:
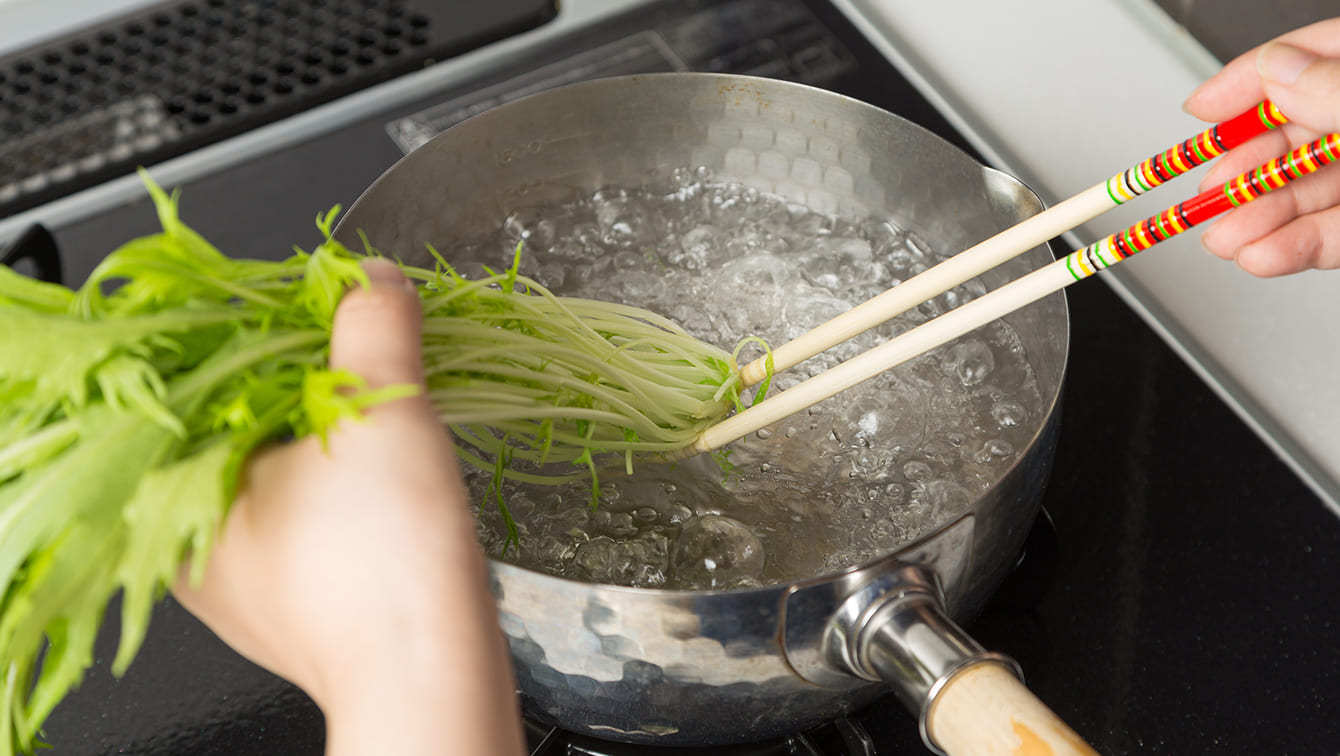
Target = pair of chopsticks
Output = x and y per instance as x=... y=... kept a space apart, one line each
x=1076 y=266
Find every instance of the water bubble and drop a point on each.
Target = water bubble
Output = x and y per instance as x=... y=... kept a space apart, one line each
x=825 y=272
x=695 y=247
x=810 y=224
x=551 y=276
x=951 y=300
x=597 y=558
x=948 y=497
x=917 y=471
x=637 y=286
x=715 y=552
x=880 y=231
x=895 y=416
x=972 y=362
x=804 y=312
x=871 y=465
x=746 y=242
x=994 y=449
x=627 y=261
x=938 y=449
x=677 y=514
x=614 y=524
x=620 y=226
x=919 y=248
x=900 y=259
x=640 y=562
x=883 y=529
x=554 y=550
x=514 y=226
x=1009 y=414
x=853 y=251
x=753 y=288
x=569 y=249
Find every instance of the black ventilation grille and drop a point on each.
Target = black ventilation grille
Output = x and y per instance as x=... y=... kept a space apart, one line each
x=83 y=109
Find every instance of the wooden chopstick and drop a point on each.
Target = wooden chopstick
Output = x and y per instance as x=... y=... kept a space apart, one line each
x=1020 y=238
x=1076 y=266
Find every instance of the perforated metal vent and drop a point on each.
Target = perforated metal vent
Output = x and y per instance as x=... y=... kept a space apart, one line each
x=80 y=110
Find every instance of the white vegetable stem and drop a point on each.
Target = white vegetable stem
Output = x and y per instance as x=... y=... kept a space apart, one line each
x=985 y=255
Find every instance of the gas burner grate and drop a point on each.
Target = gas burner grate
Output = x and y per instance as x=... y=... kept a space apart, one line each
x=840 y=737
x=78 y=111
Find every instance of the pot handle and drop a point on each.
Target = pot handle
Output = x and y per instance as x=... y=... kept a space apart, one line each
x=969 y=702
x=985 y=708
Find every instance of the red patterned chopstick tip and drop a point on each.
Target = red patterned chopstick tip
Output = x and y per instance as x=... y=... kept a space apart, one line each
x=1199 y=149
x=1084 y=262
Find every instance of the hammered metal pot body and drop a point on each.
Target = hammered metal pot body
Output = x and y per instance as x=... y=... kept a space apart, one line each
x=696 y=668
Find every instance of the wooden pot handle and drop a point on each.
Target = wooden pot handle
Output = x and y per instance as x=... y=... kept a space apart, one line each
x=985 y=710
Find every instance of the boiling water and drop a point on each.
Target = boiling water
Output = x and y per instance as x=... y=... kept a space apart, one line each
x=853 y=478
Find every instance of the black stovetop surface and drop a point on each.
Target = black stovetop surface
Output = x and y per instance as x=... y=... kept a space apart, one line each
x=1190 y=607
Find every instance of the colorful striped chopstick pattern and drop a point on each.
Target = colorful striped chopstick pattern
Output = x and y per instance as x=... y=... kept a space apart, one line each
x=1084 y=262
x=1201 y=148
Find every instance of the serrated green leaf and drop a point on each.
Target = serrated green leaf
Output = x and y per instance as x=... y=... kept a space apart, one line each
x=331 y=271
x=33 y=294
x=175 y=512
x=331 y=396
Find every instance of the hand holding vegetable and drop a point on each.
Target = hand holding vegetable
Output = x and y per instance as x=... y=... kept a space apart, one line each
x=1297 y=227
x=353 y=570
x=128 y=409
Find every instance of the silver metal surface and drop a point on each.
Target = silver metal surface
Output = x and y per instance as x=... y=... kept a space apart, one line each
x=686 y=667
x=907 y=640
x=820 y=642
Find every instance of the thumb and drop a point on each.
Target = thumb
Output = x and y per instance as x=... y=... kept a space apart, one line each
x=1305 y=86
x=377 y=328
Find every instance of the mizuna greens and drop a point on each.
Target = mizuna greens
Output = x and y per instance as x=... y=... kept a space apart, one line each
x=128 y=407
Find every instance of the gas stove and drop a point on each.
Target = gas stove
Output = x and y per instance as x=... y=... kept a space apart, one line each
x=1184 y=605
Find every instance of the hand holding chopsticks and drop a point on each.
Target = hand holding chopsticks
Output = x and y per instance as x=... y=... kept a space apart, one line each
x=1078 y=265
x=1021 y=237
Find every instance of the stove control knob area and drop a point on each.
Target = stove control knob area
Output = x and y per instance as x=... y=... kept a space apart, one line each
x=35 y=249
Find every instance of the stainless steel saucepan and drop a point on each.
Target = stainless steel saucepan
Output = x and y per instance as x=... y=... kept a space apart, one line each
x=712 y=667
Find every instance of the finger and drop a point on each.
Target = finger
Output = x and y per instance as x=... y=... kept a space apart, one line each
x=377 y=329
x=1238 y=86
x=1310 y=241
x=1227 y=236
x=1309 y=194
x=1232 y=234
x=1303 y=85
x=1233 y=90
x=1255 y=153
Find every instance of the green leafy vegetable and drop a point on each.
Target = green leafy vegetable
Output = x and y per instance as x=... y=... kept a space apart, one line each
x=128 y=407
